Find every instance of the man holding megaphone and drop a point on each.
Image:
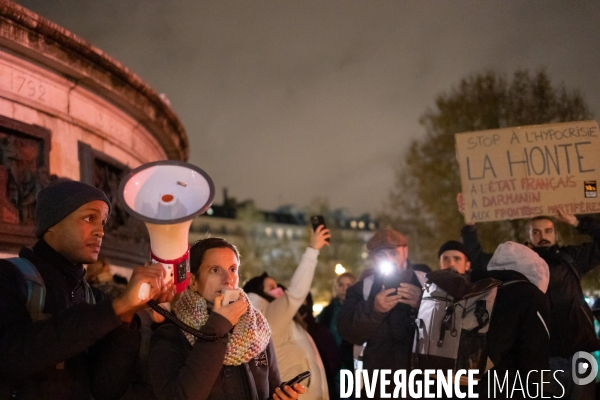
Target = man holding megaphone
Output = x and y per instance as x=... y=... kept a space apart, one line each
x=59 y=337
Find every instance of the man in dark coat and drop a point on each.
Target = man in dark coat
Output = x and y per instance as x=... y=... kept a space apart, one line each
x=381 y=309
x=329 y=318
x=571 y=325
x=79 y=344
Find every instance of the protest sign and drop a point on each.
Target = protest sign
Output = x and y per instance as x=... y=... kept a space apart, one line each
x=529 y=170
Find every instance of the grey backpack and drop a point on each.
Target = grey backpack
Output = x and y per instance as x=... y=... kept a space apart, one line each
x=453 y=321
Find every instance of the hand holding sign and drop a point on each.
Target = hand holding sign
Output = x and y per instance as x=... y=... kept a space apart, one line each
x=460 y=202
x=566 y=218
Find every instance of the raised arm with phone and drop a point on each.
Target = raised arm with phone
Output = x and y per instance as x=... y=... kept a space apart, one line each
x=293 y=345
x=316 y=221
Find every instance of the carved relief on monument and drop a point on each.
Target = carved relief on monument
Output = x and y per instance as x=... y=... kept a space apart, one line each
x=24 y=154
x=124 y=236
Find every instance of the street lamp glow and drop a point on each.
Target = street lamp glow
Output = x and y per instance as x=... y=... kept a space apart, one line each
x=339 y=269
x=317 y=308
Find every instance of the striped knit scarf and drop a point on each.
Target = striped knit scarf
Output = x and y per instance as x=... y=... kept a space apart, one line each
x=249 y=337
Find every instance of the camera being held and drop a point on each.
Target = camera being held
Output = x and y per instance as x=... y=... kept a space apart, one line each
x=388 y=249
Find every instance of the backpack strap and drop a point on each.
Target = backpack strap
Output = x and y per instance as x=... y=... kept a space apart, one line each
x=570 y=262
x=89 y=294
x=517 y=281
x=359 y=349
x=367 y=286
x=422 y=277
x=36 y=289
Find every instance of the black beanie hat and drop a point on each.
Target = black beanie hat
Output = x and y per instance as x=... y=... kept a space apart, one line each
x=454 y=245
x=59 y=199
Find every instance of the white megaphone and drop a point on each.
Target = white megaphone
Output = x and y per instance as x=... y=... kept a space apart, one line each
x=166 y=196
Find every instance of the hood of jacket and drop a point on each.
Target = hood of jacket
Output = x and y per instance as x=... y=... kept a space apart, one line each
x=517 y=257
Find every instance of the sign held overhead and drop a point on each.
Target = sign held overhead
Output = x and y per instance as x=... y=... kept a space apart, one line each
x=526 y=171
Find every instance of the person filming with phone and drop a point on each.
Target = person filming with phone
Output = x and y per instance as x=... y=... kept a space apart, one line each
x=234 y=357
x=295 y=349
x=380 y=310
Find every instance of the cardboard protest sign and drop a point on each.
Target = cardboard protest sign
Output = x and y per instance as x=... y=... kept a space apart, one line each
x=529 y=170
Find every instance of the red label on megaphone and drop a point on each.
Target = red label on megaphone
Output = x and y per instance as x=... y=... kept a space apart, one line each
x=178 y=270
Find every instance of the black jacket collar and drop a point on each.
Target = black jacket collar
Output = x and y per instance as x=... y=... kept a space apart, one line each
x=53 y=266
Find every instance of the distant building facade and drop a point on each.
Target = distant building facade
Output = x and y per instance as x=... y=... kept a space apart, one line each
x=274 y=241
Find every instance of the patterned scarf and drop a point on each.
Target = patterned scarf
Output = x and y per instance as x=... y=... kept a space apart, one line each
x=249 y=337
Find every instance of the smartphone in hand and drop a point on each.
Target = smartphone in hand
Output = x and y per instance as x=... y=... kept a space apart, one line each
x=297 y=379
x=230 y=296
x=317 y=220
x=395 y=278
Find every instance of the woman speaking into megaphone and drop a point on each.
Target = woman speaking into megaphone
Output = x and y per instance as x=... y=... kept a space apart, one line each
x=233 y=358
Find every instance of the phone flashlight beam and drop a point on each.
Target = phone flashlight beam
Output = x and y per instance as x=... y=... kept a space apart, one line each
x=386 y=267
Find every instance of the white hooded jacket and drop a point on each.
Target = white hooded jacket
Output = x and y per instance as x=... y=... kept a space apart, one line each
x=295 y=350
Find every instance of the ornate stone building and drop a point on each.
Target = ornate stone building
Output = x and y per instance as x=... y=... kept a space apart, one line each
x=69 y=110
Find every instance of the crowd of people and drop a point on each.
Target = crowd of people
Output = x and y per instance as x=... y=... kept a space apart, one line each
x=68 y=334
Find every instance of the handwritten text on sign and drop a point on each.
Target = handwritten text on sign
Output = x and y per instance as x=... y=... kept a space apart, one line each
x=530 y=170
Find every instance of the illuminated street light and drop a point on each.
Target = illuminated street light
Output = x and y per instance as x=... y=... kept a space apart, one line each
x=339 y=269
x=317 y=308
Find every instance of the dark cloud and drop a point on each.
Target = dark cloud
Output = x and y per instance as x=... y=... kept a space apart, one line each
x=287 y=101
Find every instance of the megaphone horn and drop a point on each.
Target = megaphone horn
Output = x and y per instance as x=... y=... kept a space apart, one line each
x=166 y=196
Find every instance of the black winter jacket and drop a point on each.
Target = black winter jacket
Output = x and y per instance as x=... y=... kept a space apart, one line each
x=518 y=337
x=326 y=318
x=179 y=370
x=82 y=350
x=571 y=326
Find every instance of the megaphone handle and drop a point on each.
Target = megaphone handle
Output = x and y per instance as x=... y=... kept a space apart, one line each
x=144 y=292
x=182 y=325
x=177 y=270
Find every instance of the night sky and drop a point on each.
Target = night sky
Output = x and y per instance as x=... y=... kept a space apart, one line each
x=286 y=101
